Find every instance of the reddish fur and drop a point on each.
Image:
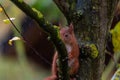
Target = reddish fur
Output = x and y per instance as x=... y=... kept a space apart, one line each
x=73 y=52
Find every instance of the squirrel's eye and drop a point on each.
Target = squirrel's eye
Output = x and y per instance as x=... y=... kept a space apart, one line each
x=66 y=35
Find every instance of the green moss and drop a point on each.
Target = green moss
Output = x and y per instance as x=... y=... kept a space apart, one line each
x=57 y=30
x=87 y=38
x=38 y=13
x=94 y=51
x=20 y=1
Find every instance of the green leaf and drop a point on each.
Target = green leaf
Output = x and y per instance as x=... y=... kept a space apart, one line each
x=116 y=37
x=7 y=21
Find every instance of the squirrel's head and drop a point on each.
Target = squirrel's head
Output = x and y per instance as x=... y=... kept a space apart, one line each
x=66 y=33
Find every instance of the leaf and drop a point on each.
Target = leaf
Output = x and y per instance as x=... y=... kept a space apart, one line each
x=10 y=42
x=116 y=37
x=1 y=9
x=7 y=21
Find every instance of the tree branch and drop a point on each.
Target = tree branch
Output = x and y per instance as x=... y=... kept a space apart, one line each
x=53 y=32
x=68 y=8
x=63 y=5
x=116 y=74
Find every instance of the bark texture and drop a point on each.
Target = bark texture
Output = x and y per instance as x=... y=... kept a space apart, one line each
x=91 y=19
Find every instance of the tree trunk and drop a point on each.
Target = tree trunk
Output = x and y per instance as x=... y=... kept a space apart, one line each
x=91 y=19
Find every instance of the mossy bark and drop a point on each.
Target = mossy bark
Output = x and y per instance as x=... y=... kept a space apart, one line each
x=91 y=19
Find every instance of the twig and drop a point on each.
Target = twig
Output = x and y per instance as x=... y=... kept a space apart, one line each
x=10 y=19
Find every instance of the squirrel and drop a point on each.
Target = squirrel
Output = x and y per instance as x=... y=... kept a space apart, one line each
x=68 y=38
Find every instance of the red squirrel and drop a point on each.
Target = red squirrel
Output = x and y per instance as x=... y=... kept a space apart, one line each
x=68 y=38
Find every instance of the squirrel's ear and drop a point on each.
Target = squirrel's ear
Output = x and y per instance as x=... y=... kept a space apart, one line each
x=71 y=27
x=60 y=26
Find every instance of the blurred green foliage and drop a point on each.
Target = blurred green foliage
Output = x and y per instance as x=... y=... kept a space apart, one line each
x=116 y=37
x=13 y=70
x=50 y=11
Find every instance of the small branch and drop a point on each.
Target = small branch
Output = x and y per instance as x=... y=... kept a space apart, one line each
x=53 y=31
x=116 y=75
x=112 y=64
x=68 y=8
x=10 y=19
x=63 y=5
